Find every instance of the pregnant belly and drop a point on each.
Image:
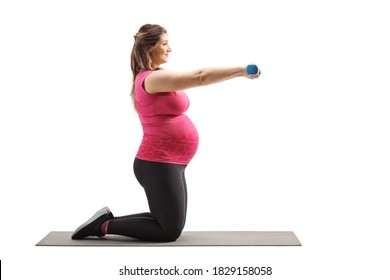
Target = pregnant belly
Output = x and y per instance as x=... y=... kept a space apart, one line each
x=175 y=140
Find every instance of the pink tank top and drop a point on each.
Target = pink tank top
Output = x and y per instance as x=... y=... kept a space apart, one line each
x=169 y=135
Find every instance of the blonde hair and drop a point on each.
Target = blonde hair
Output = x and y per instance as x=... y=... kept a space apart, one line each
x=146 y=38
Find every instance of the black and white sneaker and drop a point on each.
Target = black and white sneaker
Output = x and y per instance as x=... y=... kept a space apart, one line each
x=92 y=226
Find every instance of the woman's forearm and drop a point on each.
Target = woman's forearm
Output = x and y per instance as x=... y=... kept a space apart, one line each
x=207 y=76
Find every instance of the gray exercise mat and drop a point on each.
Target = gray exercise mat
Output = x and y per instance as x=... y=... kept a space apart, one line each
x=188 y=238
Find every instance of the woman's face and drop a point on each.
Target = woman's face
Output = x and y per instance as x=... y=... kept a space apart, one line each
x=159 y=54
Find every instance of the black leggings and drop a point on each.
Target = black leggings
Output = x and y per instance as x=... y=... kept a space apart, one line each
x=166 y=191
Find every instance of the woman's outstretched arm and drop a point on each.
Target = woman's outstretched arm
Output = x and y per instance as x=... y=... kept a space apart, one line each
x=167 y=81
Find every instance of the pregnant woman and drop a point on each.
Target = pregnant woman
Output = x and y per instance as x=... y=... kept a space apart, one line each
x=169 y=142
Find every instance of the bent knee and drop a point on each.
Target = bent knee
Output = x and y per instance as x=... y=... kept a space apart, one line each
x=171 y=234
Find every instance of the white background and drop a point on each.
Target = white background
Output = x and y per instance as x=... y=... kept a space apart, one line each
x=304 y=148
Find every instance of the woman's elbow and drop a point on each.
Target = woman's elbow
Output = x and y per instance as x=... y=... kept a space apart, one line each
x=200 y=78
